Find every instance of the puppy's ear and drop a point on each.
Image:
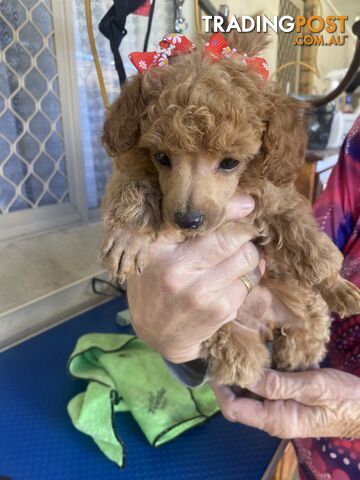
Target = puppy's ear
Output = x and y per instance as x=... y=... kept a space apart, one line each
x=284 y=139
x=122 y=122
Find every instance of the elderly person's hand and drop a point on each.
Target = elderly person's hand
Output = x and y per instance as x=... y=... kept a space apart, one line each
x=190 y=289
x=319 y=403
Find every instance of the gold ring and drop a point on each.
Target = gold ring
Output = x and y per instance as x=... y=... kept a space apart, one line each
x=247 y=282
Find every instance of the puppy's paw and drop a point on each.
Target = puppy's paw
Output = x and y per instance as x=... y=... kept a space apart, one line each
x=299 y=349
x=235 y=360
x=343 y=298
x=240 y=372
x=124 y=253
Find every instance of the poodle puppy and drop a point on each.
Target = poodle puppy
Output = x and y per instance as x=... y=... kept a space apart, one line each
x=184 y=138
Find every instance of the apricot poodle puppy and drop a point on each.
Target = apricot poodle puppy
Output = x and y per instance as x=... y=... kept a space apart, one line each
x=184 y=138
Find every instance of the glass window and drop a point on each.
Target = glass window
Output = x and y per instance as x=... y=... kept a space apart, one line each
x=32 y=156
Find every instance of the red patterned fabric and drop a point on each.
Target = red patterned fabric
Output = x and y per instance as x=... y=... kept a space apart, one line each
x=171 y=45
x=218 y=47
x=338 y=214
x=176 y=44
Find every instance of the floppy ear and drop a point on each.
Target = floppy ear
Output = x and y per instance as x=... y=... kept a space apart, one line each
x=122 y=122
x=284 y=140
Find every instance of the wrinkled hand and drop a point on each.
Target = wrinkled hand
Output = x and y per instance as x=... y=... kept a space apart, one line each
x=320 y=403
x=261 y=313
x=190 y=289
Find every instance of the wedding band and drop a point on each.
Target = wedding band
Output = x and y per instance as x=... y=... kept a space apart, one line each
x=247 y=282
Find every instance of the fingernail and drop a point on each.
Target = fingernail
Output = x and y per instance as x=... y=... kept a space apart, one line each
x=262 y=266
x=239 y=206
x=254 y=385
x=245 y=203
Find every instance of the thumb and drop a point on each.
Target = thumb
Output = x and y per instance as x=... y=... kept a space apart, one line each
x=239 y=207
x=303 y=387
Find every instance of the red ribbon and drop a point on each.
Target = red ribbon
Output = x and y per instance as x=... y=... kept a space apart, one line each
x=217 y=47
x=171 y=45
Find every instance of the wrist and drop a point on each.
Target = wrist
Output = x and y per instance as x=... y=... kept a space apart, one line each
x=179 y=356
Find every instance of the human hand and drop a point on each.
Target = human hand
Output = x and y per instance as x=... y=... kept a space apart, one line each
x=319 y=403
x=261 y=313
x=190 y=289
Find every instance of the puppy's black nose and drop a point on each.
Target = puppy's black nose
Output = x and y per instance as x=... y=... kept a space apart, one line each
x=189 y=220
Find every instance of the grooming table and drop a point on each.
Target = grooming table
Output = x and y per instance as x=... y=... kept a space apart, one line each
x=38 y=442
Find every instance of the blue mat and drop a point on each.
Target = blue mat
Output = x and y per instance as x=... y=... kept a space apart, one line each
x=38 y=442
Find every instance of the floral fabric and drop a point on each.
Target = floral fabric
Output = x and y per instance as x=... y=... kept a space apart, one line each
x=338 y=214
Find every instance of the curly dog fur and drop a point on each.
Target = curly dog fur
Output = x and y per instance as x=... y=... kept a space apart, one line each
x=198 y=113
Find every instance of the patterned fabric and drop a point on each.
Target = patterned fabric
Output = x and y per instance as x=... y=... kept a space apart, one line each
x=176 y=44
x=171 y=45
x=218 y=47
x=338 y=214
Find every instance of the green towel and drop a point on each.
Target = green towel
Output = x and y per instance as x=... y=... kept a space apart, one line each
x=124 y=374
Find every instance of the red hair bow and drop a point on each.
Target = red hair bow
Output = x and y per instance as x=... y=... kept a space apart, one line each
x=171 y=45
x=217 y=47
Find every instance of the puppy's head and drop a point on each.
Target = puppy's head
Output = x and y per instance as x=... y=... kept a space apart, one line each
x=206 y=128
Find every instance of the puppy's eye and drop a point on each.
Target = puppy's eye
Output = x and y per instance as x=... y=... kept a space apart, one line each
x=163 y=159
x=228 y=164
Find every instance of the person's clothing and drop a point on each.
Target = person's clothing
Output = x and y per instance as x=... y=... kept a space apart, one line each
x=338 y=214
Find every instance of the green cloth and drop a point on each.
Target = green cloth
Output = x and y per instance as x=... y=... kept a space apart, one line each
x=124 y=374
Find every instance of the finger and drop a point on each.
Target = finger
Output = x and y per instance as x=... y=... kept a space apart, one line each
x=243 y=261
x=207 y=251
x=239 y=207
x=262 y=265
x=256 y=313
x=226 y=305
x=304 y=387
x=224 y=244
x=283 y=419
x=239 y=409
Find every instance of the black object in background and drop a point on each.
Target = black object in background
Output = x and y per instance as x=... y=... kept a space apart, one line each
x=112 y=26
x=148 y=30
x=354 y=84
x=319 y=125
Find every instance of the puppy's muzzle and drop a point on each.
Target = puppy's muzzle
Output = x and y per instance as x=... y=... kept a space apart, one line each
x=189 y=220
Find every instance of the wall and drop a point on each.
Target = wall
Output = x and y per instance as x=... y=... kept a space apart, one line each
x=329 y=58
x=335 y=57
x=251 y=7
x=248 y=7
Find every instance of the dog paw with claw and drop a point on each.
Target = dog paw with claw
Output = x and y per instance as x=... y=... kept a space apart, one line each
x=124 y=253
x=343 y=298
